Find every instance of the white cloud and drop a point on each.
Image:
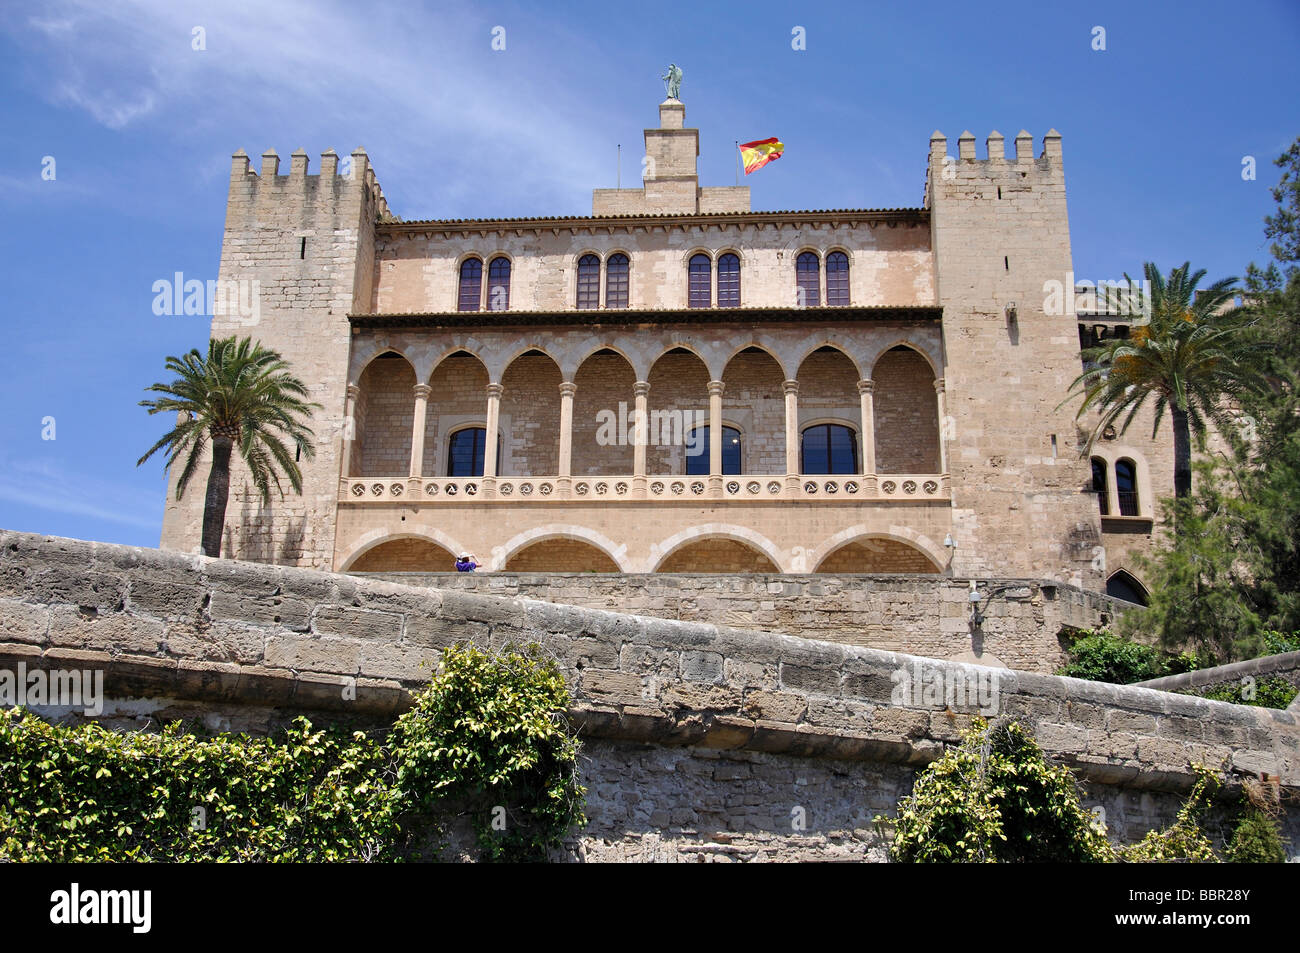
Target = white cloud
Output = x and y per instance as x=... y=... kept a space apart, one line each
x=44 y=485
x=452 y=114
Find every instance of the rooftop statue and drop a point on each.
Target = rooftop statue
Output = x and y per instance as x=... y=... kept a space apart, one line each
x=672 y=81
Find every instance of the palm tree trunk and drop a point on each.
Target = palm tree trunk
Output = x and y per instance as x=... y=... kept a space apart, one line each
x=1182 y=454
x=214 y=504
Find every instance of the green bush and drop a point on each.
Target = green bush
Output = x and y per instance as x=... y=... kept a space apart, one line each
x=996 y=798
x=487 y=727
x=491 y=736
x=1102 y=656
x=1271 y=692
x=1184 y=839
x=1256 y=840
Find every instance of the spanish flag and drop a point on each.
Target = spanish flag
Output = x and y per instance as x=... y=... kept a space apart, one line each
x=759 y=153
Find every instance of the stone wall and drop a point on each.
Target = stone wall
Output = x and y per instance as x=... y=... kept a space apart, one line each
x=921 y=615
x=702 y=741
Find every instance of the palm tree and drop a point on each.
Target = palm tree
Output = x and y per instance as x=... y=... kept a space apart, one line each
x=241 y=395
x=1195 y=354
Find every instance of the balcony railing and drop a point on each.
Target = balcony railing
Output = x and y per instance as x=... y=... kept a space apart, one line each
x=892 y=487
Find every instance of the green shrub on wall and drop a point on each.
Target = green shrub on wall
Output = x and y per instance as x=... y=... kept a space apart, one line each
x=1268 y=692
x=491 y=736
x=996 y=798
x=488 y=731
x=1102 y=656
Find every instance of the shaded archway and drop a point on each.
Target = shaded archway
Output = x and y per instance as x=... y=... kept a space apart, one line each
x=717 y=555
x=384 y=417
x=1122 y=585
x=678 y=402
x=602 y=442
x=828 y=396
x=907 y=413
x=877 y=555
x=457 y=399
x=530 y=416
x=407 y=554
x=560 y=554
x=754 y=401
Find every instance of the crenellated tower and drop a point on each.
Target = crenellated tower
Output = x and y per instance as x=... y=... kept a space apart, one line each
x=1000 y=233
x=296 y=257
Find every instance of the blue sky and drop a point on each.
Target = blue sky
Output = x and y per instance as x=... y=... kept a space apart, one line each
x=141 y=127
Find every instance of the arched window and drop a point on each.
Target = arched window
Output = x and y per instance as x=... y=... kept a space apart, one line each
x=1099 y=485
x=697 y=464
x=616 y=281
x=729 y=281
x=471 y=285
x=807 y=273
x=830 y=448
x=499 y=284
x=1126 y=487
x=465 y=453
x=1123 y=586
x=588 y=283
x=701 y=281
x=837 y=279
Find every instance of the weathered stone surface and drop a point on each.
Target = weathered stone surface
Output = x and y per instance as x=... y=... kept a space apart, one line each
x=688 y=688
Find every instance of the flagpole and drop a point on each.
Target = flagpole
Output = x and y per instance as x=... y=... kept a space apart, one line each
x=620 y=166
x=737 y=161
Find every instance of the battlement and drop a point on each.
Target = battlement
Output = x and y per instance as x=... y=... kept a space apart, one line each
x=996 y=164
x=269 y=183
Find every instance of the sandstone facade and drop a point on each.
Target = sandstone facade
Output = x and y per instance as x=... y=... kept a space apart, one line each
x=919 y=341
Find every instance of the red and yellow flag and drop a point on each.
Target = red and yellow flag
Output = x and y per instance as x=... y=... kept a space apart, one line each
x=759 y=153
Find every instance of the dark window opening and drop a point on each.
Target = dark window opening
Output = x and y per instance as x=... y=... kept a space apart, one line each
x=465 y=455
x=1126 y=487
x=697 y=464
x=1099 y=485
x=829 y=448
x=302 y=249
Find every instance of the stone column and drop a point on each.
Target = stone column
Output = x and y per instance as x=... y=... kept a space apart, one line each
x=349 y=429
x=490 y=437
x=868 y=409
x=715 y=437
x=640 y=435
x=791 y=389
x=422 y=392
x=567 y=390
x=942 y=406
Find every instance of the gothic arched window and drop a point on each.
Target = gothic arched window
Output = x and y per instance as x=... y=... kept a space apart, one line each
x=617 y=269
x=470 y=295
x=499 y=284
x=837 y=279
x=807 y=272
x=729 y=281
x=701 y=282
x=588 y=283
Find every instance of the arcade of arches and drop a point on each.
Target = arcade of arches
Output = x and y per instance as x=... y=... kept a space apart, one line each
x=859 y=417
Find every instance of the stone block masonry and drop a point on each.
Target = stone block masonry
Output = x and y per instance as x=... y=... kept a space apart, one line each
x=921 y=615
x=703 y=741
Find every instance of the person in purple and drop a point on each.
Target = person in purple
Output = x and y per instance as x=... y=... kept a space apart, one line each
x=465 y=562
